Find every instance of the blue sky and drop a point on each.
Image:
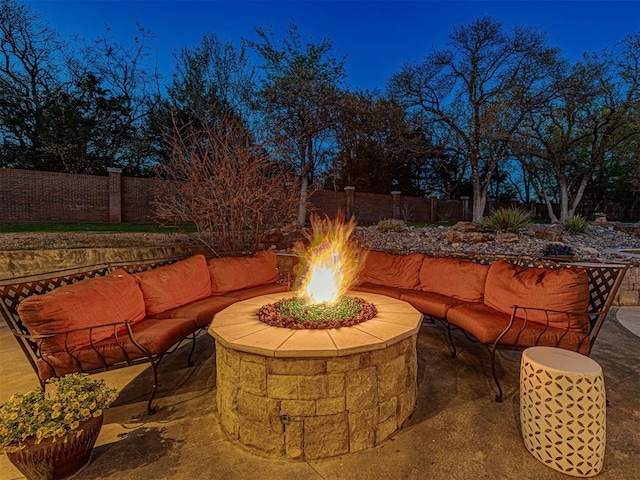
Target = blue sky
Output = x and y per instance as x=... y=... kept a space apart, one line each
x=377 y=37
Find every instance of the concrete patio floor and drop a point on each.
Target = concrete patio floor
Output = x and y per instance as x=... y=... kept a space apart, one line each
x=456 y=432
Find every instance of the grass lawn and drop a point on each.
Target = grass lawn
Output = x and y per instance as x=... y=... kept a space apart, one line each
x=60 y=227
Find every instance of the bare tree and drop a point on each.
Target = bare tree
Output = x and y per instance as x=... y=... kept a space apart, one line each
x=127 y=91
x=480 y=89
x=29 y=74
x=220 y=180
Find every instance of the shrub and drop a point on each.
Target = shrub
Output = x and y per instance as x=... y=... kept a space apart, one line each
x=576 y=224
x=391 y=225
x=504 y=220
x=220 y=179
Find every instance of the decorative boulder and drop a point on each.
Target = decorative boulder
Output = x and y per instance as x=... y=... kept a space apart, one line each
x=507 y=238
x=551 y=233
x=465 y=227
x=454 y=236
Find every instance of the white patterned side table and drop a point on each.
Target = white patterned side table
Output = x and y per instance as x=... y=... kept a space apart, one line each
x=563 y=410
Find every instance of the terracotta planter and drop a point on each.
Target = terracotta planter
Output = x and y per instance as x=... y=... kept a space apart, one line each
x=59 y=458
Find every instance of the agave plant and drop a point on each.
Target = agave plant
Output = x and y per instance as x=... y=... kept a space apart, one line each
x=576 y=224
x=506 y=220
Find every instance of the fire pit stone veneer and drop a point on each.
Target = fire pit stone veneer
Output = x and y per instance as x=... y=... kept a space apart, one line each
x=308 y=394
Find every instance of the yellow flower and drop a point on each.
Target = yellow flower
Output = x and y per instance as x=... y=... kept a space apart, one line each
x=74 y=425
x=55 y=414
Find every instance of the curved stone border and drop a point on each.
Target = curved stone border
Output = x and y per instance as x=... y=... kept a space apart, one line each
x=237 y=327
x=629 y=318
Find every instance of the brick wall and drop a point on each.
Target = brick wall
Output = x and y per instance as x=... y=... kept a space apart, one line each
x=33 y=196
x=137 y=197
x=328 y=203
x=27 y=195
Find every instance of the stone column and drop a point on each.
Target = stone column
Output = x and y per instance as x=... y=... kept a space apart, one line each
x=433 y=209
x=491 y=206
x=395 y=201
x=465 y=209
x=115 y=194
x=351 y=201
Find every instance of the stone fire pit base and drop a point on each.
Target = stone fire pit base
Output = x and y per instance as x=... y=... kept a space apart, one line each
x=316 y=407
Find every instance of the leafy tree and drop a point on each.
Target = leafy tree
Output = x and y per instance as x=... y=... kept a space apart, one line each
x=298 y=97
x=479 y=89
x=586 y=124
x=213 y=78
x=211 y=81
x=379 y=148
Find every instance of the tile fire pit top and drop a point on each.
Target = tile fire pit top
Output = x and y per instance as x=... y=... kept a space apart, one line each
x=238 y=327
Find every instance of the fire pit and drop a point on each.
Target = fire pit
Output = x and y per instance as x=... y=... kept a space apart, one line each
x=320 y=373
x=315 y=393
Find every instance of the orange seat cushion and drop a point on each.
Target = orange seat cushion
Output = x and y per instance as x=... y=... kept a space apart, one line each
x=487 y=324
x=235 y=273
x=258 y=290
x=566 y=290
x=87 y=303
x=401 y=271
x=174 y=285
x=155 y=336
x=393 y=292
x=200 y=311
x=429 y=303
x=454 y=277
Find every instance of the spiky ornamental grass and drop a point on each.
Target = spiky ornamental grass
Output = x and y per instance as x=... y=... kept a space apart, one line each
x=576 y=224
x=506 y=220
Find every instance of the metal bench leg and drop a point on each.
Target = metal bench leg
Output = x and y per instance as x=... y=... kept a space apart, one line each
x=498 y=397
x=193 y=348
x=454 y=352
x=154 y=368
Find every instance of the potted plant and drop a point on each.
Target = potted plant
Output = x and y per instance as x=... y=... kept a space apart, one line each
x=50 y=434
x=600 y=217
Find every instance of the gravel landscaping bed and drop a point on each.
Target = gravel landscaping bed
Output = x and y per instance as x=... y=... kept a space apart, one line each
x=602 y=243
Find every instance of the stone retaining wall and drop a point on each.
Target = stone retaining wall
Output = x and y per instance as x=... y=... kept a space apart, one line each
x=629 y=291
x=17 y=263
x=309 y=408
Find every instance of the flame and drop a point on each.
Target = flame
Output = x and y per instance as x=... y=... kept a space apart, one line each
x=331 y=261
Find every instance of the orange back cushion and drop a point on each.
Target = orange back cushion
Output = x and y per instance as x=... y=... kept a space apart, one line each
x=454 y=277
x=400 y=271
x=236 y=273
x=174 y=285
x=565 y=290
x=112 y=298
